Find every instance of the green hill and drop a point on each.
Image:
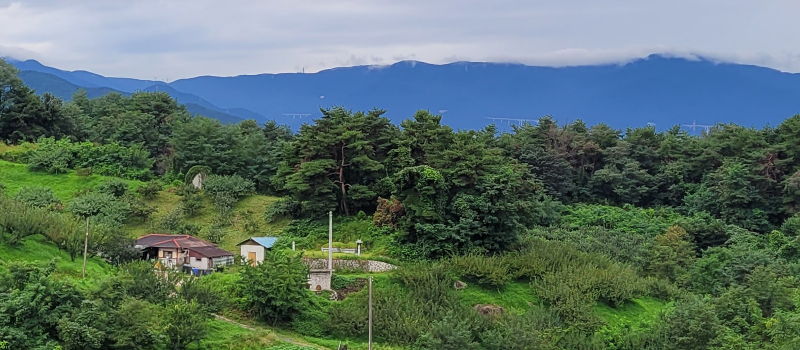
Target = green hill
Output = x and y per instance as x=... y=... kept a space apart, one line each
x=16 y=176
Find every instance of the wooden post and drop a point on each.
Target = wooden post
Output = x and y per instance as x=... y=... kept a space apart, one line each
x=85 y=247
x=370 y=312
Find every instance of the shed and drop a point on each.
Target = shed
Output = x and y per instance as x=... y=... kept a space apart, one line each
x=254 y=248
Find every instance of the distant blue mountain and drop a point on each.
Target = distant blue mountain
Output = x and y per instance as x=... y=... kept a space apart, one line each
x=45 y=82
x=655 y=90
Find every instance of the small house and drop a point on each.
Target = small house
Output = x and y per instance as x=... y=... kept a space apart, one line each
x=254 y=248
x=179 y=251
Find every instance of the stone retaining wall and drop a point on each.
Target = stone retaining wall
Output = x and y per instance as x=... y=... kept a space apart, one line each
x=363 y=265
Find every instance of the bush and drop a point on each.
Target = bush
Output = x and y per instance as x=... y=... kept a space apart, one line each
x=19 y=220
x=83 y=172
x=113 y=187
x=118 y=249
x=486 y=270
x=102 y=207
x=226 y=190
x=340 y=281
x=233 y=185
x=249 y=222
x=276 y=289
x=213 y=234
x=282 y=209
x=310 y=322
x=149 y=190
x=191 y=204
x=186 y=190
x=50 y=155
x=40 y=197
x=138 y=208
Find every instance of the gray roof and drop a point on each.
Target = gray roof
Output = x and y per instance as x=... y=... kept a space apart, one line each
x=266 y=242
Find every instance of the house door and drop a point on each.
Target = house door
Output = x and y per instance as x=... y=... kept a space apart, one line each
x=252 y=257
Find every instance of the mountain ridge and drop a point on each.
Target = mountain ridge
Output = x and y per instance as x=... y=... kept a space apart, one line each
x=656 y=90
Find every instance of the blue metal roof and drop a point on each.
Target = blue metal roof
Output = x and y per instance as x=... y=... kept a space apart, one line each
x=266 y=242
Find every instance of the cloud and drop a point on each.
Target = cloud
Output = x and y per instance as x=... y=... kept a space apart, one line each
x=184 y=38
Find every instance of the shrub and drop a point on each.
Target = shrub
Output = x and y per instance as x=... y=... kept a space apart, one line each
x=40 y=197
x=118 y=249
x=233 y=185
x=83 y=172
x=184 y=323
x=50 y=155
x=486 y=270
x=340 y=281
x=150 y=189
x=310 y=322
x=19 y=220
x=191 y=204
x=186 y=190
x=249 y=224
x=282 y=209
x=214 y=233
x=276 y=289
x=138 y=208
x=226 y=190
x=102 y=207
x=113 y=187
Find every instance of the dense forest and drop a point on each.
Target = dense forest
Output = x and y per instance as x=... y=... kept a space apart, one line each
x=585 y=218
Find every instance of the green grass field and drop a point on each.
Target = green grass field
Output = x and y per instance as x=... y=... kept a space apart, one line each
x=16 y=176
x=635 y=314
x=37 y=249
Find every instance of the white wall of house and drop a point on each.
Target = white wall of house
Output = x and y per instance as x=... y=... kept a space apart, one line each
x=257 y=249
x=200 y=264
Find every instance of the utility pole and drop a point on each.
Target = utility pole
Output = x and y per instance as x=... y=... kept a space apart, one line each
x=370 y=313
x=330 y=241
x=85 y=247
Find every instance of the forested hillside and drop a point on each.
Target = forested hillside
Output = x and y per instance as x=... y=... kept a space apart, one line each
x=545 y=237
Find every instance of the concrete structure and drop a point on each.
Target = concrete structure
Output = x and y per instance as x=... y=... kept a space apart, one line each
x=179 y=251
x=319 y=279
x=254 y=248
x=197 y=182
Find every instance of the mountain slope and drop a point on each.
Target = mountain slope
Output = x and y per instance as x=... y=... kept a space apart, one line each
x=658 y=90
x=44 y=82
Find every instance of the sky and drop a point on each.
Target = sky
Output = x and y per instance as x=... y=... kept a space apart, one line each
x=169 y=40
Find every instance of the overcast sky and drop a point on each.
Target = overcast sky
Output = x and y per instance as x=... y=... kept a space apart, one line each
x=178 y=39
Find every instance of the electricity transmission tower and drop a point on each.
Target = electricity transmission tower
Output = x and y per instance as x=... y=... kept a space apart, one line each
x=296 y=115
x=514 y=120
x=694 y=126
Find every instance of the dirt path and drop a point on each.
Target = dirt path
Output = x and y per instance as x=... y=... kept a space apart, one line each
x=277 y=336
